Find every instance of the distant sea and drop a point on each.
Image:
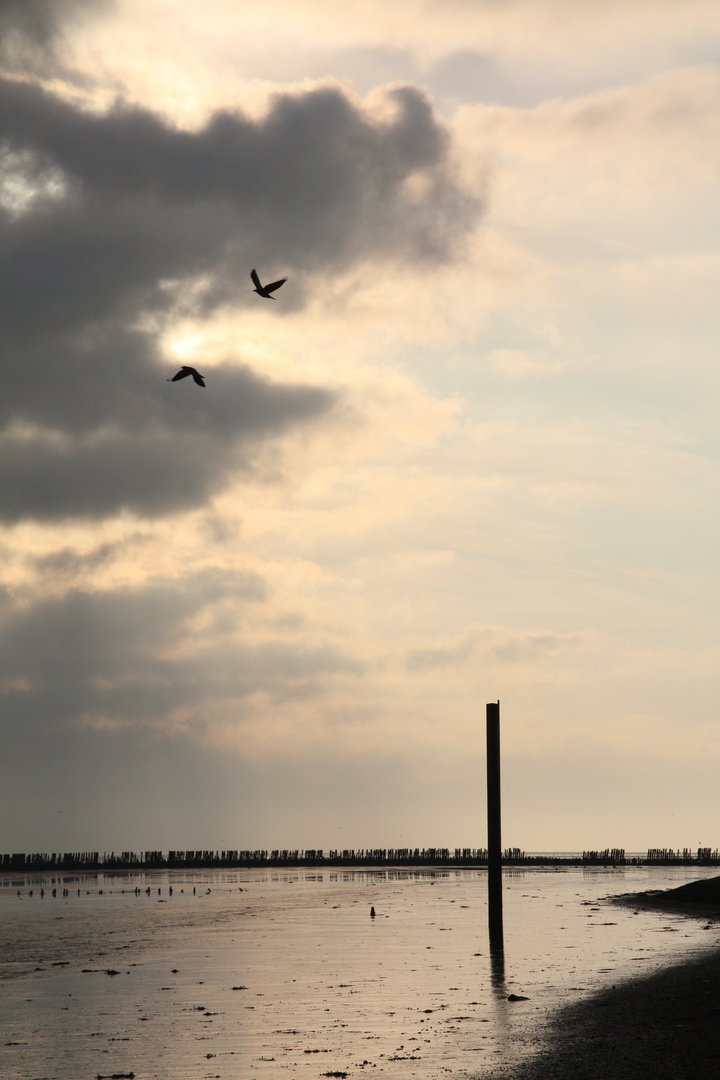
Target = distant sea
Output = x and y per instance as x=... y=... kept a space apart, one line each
x=284 y=973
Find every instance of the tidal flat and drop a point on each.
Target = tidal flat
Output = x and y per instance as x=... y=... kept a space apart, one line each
x=268 y=973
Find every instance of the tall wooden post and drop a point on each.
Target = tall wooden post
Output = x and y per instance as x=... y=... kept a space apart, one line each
x=495 y=918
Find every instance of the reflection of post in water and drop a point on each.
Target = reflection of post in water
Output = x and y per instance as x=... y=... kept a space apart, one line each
x=497 y=960
x=495 y=915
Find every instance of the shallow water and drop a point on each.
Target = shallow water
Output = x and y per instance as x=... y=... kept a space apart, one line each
x=283 y=973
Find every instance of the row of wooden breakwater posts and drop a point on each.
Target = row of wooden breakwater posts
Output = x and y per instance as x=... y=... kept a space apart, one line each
x=137 y=892
x=314 y=857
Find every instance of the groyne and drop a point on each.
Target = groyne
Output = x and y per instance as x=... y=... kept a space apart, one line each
x=318 y=857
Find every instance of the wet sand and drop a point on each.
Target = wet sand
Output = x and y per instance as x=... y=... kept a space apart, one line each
x=665 y=1026
x=271 y=975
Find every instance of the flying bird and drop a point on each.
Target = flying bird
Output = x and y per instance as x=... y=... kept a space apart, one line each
x=183 y=373
x=265 y=290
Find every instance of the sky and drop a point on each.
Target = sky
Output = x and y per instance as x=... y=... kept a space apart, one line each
x=470 y=452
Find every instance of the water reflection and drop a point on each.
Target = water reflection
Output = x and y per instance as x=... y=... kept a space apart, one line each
x=496 y=937
x=495 y=927
x=497 y=959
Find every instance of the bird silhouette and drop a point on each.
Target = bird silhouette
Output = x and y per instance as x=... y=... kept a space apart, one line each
x=265 y=290
x=185 y=371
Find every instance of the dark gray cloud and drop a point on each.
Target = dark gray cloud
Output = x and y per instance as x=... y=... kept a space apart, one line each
x=31 y=19
x=313 y=186
x=38 y=20
x=134 y=655
x=107 y=217
x=30 y=29
x=177 y=459
x=68 y=563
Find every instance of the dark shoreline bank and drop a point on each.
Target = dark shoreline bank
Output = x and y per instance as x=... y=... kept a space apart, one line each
x=664 y=1026
x=696 y=899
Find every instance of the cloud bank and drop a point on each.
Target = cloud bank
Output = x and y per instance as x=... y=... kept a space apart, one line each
x=168 y=655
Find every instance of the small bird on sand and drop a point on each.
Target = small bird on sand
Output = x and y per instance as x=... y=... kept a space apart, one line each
x=265 y=290
x=185 y=371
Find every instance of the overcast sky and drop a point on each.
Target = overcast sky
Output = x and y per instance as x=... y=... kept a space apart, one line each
x=471 y=452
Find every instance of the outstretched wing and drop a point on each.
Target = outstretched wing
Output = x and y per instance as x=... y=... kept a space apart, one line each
x=275 y=285
x=256 y=279
x=182 y=374
x=197 y=377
